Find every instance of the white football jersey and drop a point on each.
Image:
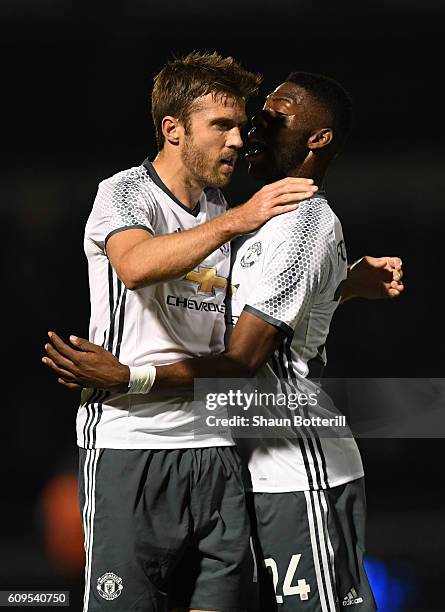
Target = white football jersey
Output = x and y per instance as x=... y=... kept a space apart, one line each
x=287 y=273
x=158 y=324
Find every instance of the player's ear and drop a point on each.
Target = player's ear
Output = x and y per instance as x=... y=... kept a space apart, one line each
x=171 y=129
x=321 y=138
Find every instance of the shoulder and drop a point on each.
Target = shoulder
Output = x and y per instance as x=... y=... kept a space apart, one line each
x=314 y=217
x=129 y=186
x=134 y=175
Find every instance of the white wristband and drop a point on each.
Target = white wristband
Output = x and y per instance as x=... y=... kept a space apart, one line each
x=141 y=379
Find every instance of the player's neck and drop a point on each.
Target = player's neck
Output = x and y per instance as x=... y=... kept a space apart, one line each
x=176 y=177
x=311 y=168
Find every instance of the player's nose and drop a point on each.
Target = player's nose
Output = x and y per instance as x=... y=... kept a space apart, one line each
x=234 y=139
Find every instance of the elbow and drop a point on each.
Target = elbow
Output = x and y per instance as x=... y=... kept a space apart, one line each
x=127 y=273
x=132 y=277
x=132 y=283
x=240 y=369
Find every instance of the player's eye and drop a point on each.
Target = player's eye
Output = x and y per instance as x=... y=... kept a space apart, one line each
x=273 y=112
x=278 y=113
x=222 y=125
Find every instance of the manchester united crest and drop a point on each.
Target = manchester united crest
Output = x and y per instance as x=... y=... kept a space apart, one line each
x=109 y=586
x=252 y=255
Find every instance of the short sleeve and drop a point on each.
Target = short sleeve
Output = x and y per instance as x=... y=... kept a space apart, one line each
x=293 y=267
x=123 y=202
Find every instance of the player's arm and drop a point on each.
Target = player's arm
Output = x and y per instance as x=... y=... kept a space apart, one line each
x=88 y=365
x=252 y=342
x=373 y=278
x=255 y=336
x=141 y=259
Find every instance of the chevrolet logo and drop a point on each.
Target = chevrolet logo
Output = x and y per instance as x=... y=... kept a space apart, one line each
x=207 y=280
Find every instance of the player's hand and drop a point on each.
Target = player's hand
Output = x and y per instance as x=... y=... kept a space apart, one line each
x=272 y=200
x=85 y=364
x=374 y=278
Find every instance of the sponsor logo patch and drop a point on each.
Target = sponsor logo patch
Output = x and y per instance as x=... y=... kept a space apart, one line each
x=191 y=304
x=207 y=280
x=352 y=598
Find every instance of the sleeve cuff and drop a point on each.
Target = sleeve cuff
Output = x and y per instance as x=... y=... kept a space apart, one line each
x=275 y=322
x=128 y=227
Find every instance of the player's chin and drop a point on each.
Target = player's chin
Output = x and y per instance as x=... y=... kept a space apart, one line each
x=221 y=179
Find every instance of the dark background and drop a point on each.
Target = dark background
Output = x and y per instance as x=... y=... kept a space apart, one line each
x=76 y=86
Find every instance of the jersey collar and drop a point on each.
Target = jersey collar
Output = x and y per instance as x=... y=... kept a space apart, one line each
x=156 y=179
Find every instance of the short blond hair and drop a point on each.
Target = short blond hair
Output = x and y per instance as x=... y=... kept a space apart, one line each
x=184 y=80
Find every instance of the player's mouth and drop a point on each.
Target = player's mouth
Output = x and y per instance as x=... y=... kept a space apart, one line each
x=228 y=163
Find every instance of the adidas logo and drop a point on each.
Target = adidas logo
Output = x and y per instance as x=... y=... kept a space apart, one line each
x=352 y=598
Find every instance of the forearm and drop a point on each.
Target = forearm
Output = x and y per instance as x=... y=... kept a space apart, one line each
x=140 y=260
x=180 y=376
x=89 y=365
x=251 y=344
x=162 y=258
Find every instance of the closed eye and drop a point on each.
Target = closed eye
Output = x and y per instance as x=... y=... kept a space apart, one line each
x=227 y=125
x=223 y=125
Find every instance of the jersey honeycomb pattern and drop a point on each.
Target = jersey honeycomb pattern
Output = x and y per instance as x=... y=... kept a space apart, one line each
x=126 y=200
x=297 y=263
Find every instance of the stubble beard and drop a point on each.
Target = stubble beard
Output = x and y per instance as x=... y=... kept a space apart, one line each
x=200 y=167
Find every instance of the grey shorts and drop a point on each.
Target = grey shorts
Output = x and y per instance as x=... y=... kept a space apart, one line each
x=163 y=528
x=311 y=545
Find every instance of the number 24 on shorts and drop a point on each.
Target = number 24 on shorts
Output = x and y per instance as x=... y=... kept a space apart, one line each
x=301 y=588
